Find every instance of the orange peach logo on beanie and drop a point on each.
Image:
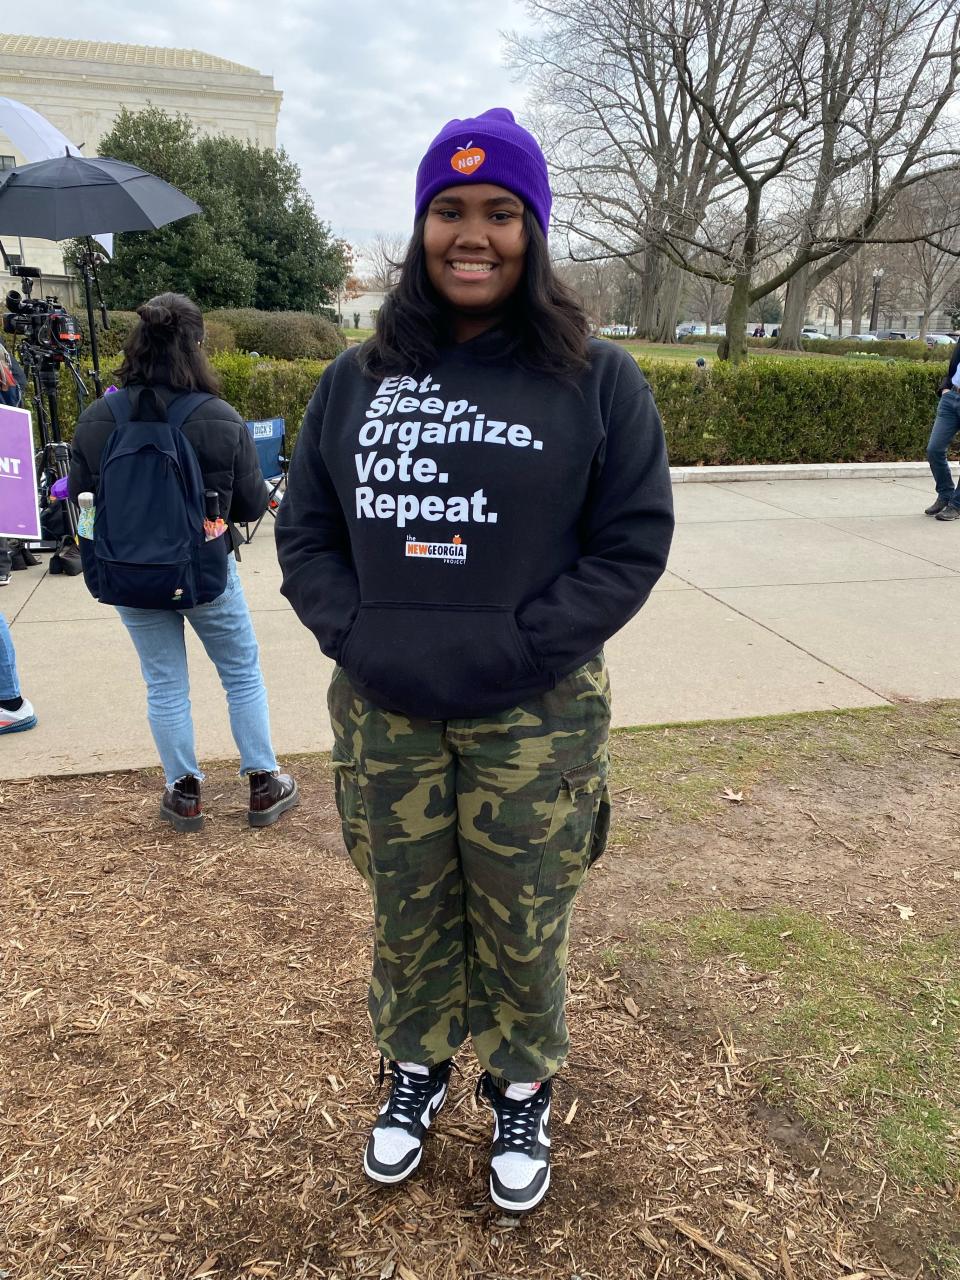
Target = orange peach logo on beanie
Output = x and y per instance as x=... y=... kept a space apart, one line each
x=468 y=159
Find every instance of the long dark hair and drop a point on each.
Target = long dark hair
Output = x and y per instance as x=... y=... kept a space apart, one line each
x=547 y=327
x=165 y=347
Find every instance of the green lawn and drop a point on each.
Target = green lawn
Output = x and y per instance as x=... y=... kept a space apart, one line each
x=866 y=1033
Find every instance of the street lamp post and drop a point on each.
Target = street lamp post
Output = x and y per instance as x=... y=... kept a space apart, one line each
x=877 y=277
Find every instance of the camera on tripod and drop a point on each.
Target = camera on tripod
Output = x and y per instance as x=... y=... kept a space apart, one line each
x=41 y=322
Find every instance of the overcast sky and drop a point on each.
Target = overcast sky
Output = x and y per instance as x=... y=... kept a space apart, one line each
x=365 y=85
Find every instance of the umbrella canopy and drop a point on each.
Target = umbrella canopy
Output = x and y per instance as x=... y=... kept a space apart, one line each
x=37 y=139
x=75 y=196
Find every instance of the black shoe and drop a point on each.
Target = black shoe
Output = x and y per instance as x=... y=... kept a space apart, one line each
x=520 y=1159
x=937 y=507
x=949 y=512
x=180 y=804
x=395 y=1146
x=270 y=795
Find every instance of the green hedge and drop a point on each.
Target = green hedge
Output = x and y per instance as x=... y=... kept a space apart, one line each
x=269 y=388
x=282 y=335
x=773 y=411
x=899 y=350
x=794 y=410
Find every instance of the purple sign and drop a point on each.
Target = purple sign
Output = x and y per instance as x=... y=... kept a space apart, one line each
x=19 y=512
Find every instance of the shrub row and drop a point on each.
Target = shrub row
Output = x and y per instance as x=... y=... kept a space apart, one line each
x=897 y=349
x=794 y=410
x=769 y=411
x=280 y=335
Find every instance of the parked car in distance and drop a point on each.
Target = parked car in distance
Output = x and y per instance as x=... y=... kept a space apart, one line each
x=862 y=337
x=696 y=329
x=814 y=335
x=939 y=340
x=892 y=335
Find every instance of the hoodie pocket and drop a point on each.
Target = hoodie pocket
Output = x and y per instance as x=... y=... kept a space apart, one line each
x=437 y=662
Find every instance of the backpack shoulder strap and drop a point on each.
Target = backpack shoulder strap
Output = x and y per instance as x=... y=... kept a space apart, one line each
x=118 y=402
x=180 y=408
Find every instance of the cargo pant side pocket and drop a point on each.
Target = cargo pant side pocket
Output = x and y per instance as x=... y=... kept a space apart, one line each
x=577 y=834
x=353 y=814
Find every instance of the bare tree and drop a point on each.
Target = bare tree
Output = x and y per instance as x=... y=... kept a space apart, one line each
x=878 y=108
x=598 y=284
x=379 y=261
x=928 y=260
x=660 y=113
x=630 y=164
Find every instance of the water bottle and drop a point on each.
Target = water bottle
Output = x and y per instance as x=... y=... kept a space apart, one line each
x=88 y=513
x=213 y=524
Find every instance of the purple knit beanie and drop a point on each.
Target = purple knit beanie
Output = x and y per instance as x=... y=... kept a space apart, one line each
x=489 y=148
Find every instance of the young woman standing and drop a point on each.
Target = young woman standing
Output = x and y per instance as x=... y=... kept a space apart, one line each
x=163 y=359
x=478 y=499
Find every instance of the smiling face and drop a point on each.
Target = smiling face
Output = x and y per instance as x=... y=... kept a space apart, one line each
x=475 y=247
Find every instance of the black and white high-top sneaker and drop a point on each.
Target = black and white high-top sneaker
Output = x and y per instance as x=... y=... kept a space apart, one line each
x=395 y=1146
x=520 y=1159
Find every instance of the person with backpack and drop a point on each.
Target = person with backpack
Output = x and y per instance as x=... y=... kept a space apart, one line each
x=478 y=499
x=171 y=468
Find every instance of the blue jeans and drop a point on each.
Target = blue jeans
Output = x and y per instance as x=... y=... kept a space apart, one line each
x=226 y=632
x=945 y=426
x=9 y=684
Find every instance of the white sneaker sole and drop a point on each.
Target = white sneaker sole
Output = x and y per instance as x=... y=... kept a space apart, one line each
x=390 y=1179
x=512 y=1206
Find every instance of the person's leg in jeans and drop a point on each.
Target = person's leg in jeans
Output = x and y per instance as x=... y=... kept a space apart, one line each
x=157 y=635
x=16 y=713
x=945 y=426
x=9 y=683
x=226 y=631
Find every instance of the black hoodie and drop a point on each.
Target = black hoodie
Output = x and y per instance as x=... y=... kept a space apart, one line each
x=457 y=542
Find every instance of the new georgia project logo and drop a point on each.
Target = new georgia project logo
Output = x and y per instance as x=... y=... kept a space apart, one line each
x=454 y=552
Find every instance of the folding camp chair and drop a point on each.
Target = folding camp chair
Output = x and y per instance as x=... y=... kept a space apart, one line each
x=269 y=436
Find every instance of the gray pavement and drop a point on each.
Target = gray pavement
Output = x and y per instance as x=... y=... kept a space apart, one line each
x=782 y=595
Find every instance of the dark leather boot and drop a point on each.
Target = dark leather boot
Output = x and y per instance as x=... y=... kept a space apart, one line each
x=270 y=795
x=180 y=805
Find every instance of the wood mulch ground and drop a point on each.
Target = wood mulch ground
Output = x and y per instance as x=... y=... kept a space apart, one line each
x=187 y=1078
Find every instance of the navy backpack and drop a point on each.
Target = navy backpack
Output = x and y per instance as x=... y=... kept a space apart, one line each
x=148 y=548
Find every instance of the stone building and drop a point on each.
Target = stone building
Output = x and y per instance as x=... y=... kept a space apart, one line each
x=80 y=85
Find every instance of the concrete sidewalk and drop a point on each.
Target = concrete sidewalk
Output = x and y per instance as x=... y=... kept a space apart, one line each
x=782 y=595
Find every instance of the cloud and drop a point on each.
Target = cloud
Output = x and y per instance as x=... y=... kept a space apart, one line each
x=365 y=86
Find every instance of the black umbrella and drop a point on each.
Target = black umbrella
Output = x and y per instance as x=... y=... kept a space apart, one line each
x=75 y=196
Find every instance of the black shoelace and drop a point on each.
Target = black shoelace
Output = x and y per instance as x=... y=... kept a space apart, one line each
x=408 y=1096
x=519 y=1118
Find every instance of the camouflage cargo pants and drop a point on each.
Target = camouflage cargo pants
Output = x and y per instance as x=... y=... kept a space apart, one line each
x=473 y=837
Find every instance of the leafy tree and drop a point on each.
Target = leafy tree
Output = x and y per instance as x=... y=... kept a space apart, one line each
x=257 y=243
x=299 y=264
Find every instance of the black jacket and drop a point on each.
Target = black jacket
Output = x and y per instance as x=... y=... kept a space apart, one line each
x=223 y=445
x=460 y=541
